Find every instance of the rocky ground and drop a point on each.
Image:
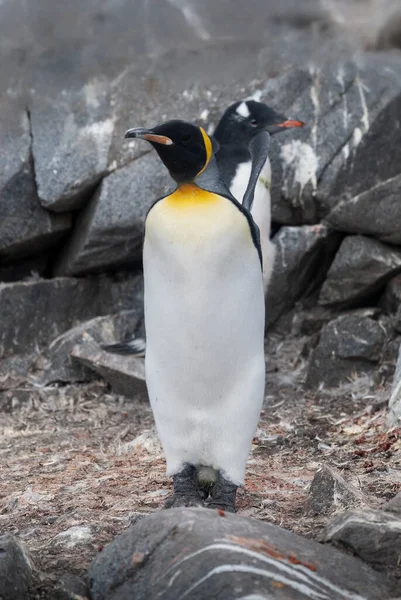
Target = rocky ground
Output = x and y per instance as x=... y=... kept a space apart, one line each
x=80 y=461
x=80 y=464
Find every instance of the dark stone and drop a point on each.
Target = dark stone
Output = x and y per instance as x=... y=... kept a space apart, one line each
x=394 y=416
x=55 y=363
x=29 y=268
x=361 y=268
x=25 y=227
x=16 y=571
x=125 y=374
x=342 y=102
x=14 y=370
x=71 y=139
x=34 y=313
x=303 y=256
x=330 y=492
x=373 y=535
x=393 y=505
x=203 y=553
x=349 y=344
x=310 y=321
x=391 y=299
x=371 y=164
x=389 y=35
x=109 y=232
x=70 y=587
x=375 y=212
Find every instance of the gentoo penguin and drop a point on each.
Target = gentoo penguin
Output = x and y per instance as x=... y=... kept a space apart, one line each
x=204 y=318
x=237 y=127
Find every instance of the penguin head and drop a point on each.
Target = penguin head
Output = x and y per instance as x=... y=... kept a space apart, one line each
x=184 y=148
x=243 y=120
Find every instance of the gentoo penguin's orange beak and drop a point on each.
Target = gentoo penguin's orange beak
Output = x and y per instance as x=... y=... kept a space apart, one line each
x=291 y=123
x=148 y=135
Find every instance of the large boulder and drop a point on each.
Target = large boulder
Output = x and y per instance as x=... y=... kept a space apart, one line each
x=376 y=212
x=109 y=231
x=16 y=570
x=125 y=374
x=349 y=344
x=350 y=108
x=303 y=255
x=71 y=139
x=55 y=364
x=361 y=268
x=373 y=535
x=201 y=553
x=36 y=312
x=25 y=227
x=395 y=397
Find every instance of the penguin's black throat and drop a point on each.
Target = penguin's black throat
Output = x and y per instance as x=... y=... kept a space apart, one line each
x=184 y=148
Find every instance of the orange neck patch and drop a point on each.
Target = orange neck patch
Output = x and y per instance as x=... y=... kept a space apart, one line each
x=189 y=194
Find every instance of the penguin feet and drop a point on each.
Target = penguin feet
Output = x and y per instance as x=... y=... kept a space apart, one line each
x=186 y=489
x=223 y=495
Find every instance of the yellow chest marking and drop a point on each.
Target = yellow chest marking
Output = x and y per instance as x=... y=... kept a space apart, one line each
x=189 y=196
x=191 y=216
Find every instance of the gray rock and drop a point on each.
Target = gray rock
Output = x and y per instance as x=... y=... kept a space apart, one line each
x=393 y=505
x=71 y=139
x=35 y=313
x=25 y=227
x=16 y=571
x=371 y=164
x=391 y=299
x=70 y=587
x=109 y=232
x=374 y=536
x=329 y=492
x=349 y=344
x=14 y=370
x=375 y=212
x=361 y=268
x=341 y=102
x=394 y=416
x=302 y=255
x=125 y=374
x=55 y=363
x=201 y=553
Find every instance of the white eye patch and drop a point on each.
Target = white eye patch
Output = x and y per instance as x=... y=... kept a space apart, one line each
x=243 y=110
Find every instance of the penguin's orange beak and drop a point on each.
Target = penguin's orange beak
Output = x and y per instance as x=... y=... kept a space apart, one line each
x=148 y=135
x=291 y=123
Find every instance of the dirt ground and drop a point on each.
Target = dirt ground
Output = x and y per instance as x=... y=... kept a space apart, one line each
x=77 y=457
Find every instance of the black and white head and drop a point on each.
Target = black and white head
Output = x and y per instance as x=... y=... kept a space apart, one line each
x=243 y=120
x=184 y=148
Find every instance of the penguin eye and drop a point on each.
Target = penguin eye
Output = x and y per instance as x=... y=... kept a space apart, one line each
x=254 y=123
x=186 y=137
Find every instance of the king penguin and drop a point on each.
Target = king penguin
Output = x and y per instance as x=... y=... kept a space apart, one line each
x=240 y=123
x=204 y=318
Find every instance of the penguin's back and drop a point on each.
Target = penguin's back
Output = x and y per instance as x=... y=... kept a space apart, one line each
x=204 y=316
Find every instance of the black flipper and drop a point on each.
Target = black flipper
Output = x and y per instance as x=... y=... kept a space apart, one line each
x=134 y=347
x=212 y=181
x=259 y=149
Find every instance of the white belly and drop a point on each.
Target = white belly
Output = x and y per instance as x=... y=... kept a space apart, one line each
x=204 y=316
x=261 y=210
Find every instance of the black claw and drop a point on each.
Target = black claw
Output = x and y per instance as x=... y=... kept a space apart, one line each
x=223 y=495
x=186 y=489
